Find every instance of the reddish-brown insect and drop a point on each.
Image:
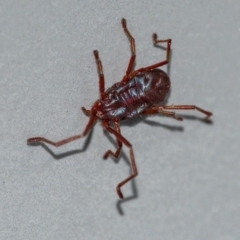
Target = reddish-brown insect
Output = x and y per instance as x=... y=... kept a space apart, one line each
x=139 y=93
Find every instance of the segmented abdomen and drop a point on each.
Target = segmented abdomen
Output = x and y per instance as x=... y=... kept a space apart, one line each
x=129 y=100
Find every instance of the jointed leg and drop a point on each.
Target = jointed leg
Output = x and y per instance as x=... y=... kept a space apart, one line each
x=133 y=164
x=156 y=110
x=160 y=109
x=168 y=53
x=90 y=124
x=109 y=152
x=133 y=50
x=101 y=75
x=151 y=67
x=188 y=107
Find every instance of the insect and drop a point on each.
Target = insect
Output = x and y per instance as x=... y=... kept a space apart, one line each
x=139 y=93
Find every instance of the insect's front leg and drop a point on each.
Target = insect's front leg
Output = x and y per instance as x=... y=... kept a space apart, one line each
x=133 y=50
x=101 y=75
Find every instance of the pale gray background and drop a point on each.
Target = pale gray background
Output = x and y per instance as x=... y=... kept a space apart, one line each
x=189 y=172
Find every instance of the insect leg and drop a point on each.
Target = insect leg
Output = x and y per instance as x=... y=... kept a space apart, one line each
x=151 y=67
x=133 y=163
x=101 y=75
x=133 y=49
x=86 y=112
x=90 y=124
x=157 y=110
x=189 y=107
x=109 y=152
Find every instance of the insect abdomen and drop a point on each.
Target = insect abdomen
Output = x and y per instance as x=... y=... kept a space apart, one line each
x=129 y=100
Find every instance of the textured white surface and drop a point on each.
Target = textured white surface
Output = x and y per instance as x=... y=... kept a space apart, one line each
x=189 y=180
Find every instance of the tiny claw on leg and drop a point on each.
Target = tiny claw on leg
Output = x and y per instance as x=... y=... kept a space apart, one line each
x=208 y=119
x=124 y=23
x=34 y=140
x=105 y=156
x=119 y=192
x=154 y=36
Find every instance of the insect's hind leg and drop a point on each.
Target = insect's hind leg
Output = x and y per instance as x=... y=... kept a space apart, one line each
x=159 y=110
x=164 y=110
x=168 y=53
x=89 y=126
x=189 y=107
x=133 y=163
x=101 y=75
x=109 y=152
x=159 y=64
x=133 y=50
